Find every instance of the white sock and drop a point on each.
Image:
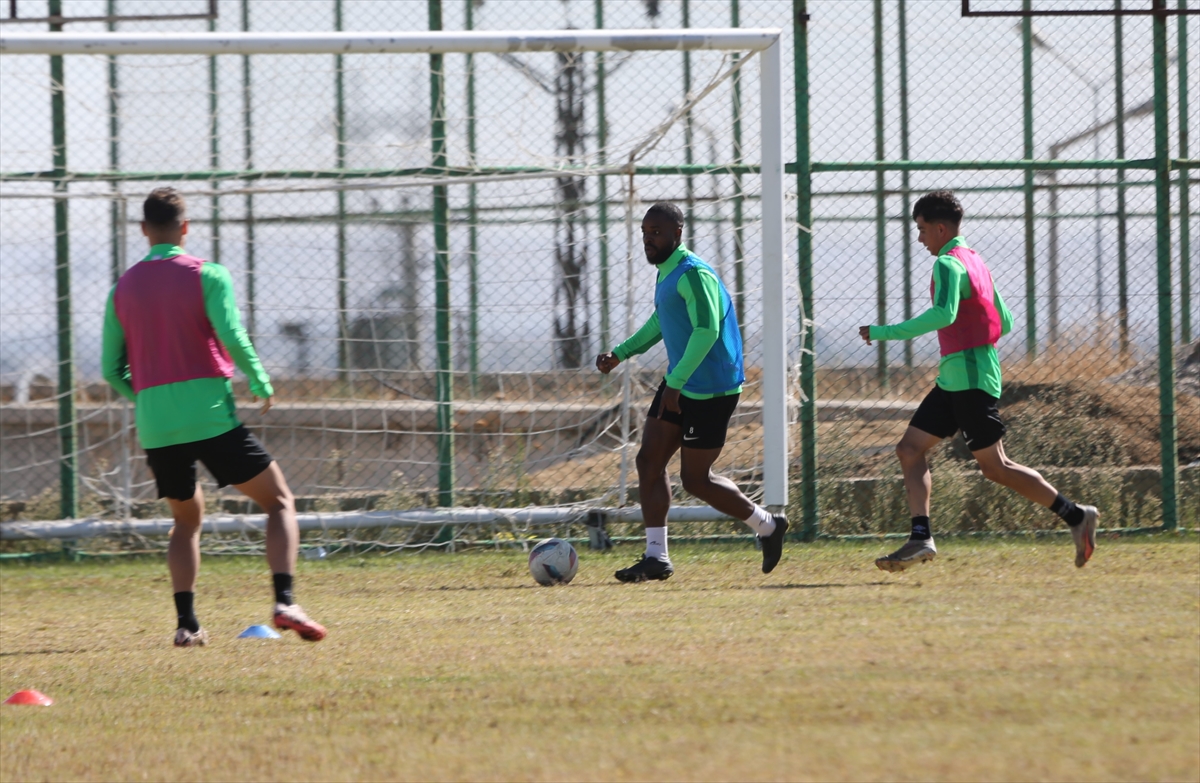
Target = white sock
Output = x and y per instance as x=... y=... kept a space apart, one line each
x=656 y=543
x=760 y=521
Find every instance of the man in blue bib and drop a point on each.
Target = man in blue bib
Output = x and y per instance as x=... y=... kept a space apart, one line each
x=694 y=316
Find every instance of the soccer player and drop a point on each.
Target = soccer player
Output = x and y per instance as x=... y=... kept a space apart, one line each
x=170 y=329
x=969 y=317
x=694 y=316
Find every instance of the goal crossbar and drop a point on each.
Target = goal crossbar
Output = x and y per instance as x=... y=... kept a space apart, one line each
x=436 y=42
x=765 y=42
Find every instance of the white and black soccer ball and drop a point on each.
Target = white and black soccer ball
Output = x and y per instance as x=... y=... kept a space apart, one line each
x=553 y=562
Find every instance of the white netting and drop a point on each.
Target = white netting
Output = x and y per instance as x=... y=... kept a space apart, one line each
x=315 y=189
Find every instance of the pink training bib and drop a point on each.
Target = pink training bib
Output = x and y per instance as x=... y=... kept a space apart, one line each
x=168 y=337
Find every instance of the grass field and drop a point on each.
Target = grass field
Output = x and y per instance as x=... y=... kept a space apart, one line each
x=1000 y=661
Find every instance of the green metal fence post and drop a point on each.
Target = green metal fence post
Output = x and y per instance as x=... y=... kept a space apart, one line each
x=248 y=163
x=472 y=220
x=905 y=220
x=114 y=152
x=1031 y=340
x=342 y=299
x=1166 y=334
x=214 y=152
x=881 y=370
x=602 y=142
x=68 y=458
x=810 y=522
x=739 y=194
x=1122 y=227
x=688 y=134
x=441 y=271
x=1185 y=204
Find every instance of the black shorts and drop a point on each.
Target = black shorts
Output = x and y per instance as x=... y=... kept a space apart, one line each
x=975 y=412
x=704 y=422
x=232 y=458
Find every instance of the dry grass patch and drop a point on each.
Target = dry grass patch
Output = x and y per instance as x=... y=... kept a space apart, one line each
x=1000 y=661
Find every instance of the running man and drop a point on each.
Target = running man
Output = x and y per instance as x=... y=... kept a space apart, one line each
x=170 y=329
x=694 y=316
x=969 y=317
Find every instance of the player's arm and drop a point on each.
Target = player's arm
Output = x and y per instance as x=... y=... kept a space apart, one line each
x=702 y=295
x=114 y=357
x=1006 y=317
x=642 y=340
x=947 y=291
x=221 y=308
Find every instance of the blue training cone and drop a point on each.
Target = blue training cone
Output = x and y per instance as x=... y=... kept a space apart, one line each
x=259 y=632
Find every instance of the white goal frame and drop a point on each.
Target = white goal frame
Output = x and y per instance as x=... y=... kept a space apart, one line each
x=764 y=41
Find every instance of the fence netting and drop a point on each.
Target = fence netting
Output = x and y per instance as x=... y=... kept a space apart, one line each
x=312 y=178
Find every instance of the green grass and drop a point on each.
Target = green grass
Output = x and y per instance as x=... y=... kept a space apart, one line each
x=1000 y=661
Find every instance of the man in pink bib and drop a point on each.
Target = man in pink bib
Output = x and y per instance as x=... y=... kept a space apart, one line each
x=969 y=317
x=172 y=335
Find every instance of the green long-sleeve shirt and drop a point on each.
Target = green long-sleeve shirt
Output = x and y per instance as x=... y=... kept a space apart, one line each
x=192 y=410
x=701 y=293
x=974 y=368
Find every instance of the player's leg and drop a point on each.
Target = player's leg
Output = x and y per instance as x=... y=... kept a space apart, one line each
x=978 y=415
x=705 y=425
x=174 y=469
x=660 y=441
x=1082 y=520
x=933 y=422
x=912 y=452
x=237 y=458
x=269 y=489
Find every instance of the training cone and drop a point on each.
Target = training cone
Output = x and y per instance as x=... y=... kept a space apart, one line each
x=259 y=632
x=35 y=698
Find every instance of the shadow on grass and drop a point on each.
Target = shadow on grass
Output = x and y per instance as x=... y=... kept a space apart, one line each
x=44 y=652
x=816 y=586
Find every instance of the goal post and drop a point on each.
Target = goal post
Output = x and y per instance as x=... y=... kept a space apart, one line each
x=772 y=344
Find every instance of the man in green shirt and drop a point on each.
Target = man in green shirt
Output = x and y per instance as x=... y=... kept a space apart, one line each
x=694 y=317
x=969 y=316
x=172 y=335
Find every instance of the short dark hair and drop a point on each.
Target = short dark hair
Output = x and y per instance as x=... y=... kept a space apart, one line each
x=164 y=207
x=669 y=211
x=940 y=206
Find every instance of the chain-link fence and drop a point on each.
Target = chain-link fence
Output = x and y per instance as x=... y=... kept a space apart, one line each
x=315 y=180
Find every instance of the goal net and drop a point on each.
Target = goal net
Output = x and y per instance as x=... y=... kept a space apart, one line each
x=432 y=235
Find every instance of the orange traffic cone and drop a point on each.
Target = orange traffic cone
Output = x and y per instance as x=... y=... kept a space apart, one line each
x=36 y=698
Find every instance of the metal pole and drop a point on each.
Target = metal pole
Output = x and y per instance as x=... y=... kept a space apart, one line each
x=1096 y=224
x=1185 y=205
x=68 y=459
x=739 y=193
x=1031 y=341
x=473 y=218
x=810 y=522
x=214 y=152
x=905 y=219
x=116 y=226
x=441 y=271
x=1053 y=261
x=881 y=370
x=1122 y=240
x=248 y=163
x=1166 y=334
x=602 y=142
x=689 y=155
x=343 y=350
x=774 y=344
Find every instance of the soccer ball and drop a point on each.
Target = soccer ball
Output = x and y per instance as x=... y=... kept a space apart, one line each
x=553 y=562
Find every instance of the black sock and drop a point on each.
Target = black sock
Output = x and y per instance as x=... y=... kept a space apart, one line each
x=1070 y=513
x=283 y=589
x=920 y=529
x=185 y=611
